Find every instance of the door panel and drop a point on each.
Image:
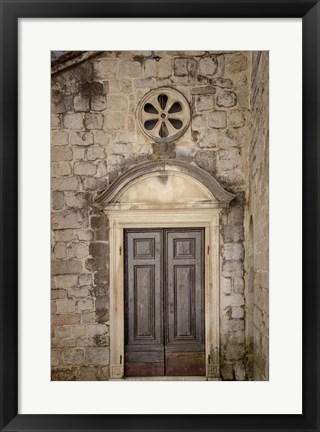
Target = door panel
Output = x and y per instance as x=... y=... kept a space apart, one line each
x=164 y=302
x=184 y=303
x=144 y=347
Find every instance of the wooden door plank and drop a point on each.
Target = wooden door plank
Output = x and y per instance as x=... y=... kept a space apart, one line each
x=144 y=347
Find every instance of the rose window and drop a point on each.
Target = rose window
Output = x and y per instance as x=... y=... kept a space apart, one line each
x=163 y=115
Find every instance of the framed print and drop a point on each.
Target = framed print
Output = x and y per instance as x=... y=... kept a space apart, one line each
x=138 y=201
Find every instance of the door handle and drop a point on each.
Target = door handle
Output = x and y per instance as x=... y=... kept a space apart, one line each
x=171 y=308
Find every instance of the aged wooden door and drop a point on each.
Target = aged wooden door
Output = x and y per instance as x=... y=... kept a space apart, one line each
x=164 y=302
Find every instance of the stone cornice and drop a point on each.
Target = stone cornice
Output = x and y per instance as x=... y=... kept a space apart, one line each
x=110 y=195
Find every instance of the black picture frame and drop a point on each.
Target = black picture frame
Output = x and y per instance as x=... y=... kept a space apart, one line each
x=11 y=11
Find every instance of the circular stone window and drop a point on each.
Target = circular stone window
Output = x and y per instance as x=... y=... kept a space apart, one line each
x=163 y=115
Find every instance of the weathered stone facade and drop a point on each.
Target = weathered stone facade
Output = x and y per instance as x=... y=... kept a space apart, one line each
x=257 y=222
x=95 y=138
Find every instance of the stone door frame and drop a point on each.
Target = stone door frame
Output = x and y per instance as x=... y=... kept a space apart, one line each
x=190 y=218
x=196 y=202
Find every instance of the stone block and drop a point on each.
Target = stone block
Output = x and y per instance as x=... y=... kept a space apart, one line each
x=55 y=121
x=81 y=138
x=208 y=138
x=84 y=168
x=81 y=250
x=74 y=356
x=66 y=281
x=129 y=70
x=88 y=317
x=66 y=235
x=79 y=153
x=203 y=90
x=96 y=329
x=233 y=325
x=94 y=120
x=104 y=374
x=85 y=279
x=66 y=267
x=86 y=304
x=217 y=119
x=105 y=68
x=53 y=307
x=65 y=319
x=234 y=351
x=75 y=200
x=232 y=300
x=226 y=99
x=98 y=103
x=65 y=306
x=87 y=374
x=63 y=332
x=236 y=118
x=79 y=292
x=208 y=66
x=226 y=285
x=238 y=285
x=237 y=312
x=92 y=88
x=147 y=83
x=151 y=68
x=181 y=66
x=55 y=357
x=58 y=294
x=81 y=103
x=96 y=152
x=61 y=169
x=232 y=269
x=117 y=103
x=97 y=356
x=221 y=82
x=235 y=63
x=233 y=251
x=164 y=68
x=240 y=372
x=199 y=121
x=73 y=121
x=61 y=154
x=101 y=302
x=232 y=233
x=96 y=264
x=85 y=235
x=60 y=138
x=230 y=159
x=115 y=120
x=63 y=374
x=99 y=249
x=227 y=372
x=204 y=103
x=66 y=219
x=91 y=183
x=60 y=251
x=57 y=201
x=206 y=159
x=230 y=138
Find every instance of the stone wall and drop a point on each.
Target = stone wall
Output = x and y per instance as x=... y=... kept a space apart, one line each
x=257 y=223
x=95 y=137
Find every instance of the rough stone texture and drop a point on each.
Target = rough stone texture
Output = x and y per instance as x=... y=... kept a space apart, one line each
x=257 y=222
x=95 y=138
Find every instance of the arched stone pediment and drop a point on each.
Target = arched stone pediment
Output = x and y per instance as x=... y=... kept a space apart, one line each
x=165 y=184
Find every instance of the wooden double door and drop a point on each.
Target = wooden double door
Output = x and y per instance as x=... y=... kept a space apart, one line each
x=164 y=302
